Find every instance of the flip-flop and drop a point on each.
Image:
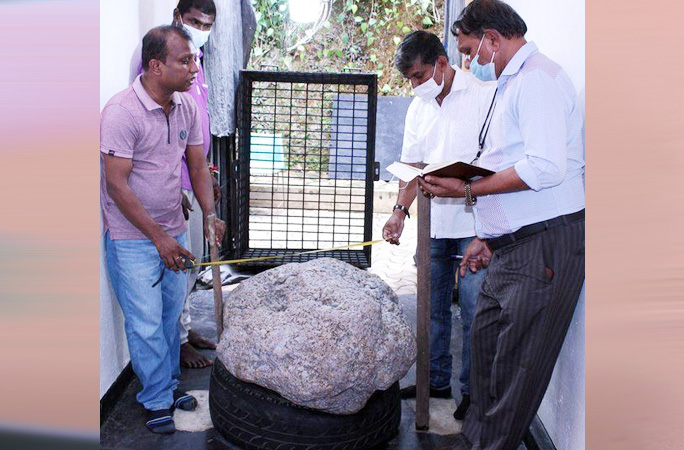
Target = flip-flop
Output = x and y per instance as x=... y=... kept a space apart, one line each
x=160 y=421
x=183 y=400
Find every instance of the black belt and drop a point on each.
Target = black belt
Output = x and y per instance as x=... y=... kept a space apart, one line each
x=529 y=230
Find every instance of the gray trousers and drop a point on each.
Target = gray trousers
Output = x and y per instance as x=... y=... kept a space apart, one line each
x=523 y=313
x=195 y=239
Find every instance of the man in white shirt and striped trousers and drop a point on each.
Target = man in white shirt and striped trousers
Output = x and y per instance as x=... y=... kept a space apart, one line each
x=530 y=214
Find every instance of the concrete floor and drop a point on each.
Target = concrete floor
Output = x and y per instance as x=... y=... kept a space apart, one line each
x=125 y=426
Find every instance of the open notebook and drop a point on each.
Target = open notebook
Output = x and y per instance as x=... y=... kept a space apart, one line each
x=453 y=169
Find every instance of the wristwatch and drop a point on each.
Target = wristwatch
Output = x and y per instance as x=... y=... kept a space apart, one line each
x=402 y=208
x=469 y=199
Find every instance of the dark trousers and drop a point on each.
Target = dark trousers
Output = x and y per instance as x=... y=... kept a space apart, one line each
x=523 y=313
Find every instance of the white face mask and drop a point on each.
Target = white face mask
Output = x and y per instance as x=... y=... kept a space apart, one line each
x=198 y=37
x=430 y=89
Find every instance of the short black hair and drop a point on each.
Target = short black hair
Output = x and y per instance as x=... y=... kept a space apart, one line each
x=205 y=6
x=418 y=43
x=154 y=43
x=492 y=14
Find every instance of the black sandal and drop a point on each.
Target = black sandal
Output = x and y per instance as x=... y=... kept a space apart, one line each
x=160 y=421
x=183 y=400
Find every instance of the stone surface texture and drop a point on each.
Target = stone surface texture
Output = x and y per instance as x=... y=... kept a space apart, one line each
x=323 y=334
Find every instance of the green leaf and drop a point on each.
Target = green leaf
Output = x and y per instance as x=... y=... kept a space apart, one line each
x=340 y=17
x=319 y=54
x=400 y=24
x=372 y=22
x=373 y=58
x=405 y=30
x=270 y=32
x=380 y=73
x=381 y=65
x=427 y=21
x=396 y=40
x=358 y=19
x=385 y=88
x=345 y=38
x=364 y=27
x=354 y=8
x=370 y=41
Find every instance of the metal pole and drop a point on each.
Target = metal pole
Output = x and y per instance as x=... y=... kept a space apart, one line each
x=215 y=276
x=423 y=315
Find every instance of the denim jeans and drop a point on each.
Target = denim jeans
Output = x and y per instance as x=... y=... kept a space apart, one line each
x=151 y=315
x=444 y=270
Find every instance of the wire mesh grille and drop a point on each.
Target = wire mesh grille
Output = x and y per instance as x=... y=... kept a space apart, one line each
x=307 y=145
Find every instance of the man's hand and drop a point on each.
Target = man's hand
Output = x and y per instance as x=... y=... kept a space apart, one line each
x=391 y=232
x=220 y=230
x=187 y=206
x=172 y=253
x=432 y=186
x=217 y=190
x=477 y=256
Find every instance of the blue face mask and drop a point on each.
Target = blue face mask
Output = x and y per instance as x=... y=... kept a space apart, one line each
x=485 y=72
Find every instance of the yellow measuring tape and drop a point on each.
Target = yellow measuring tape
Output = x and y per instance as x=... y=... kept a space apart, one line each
x=286 y=255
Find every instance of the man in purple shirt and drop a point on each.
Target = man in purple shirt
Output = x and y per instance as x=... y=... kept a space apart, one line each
x=145 y=132
x=196 y=17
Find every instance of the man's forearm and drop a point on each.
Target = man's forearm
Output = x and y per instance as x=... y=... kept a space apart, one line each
x=407 y=193
x=501 y=182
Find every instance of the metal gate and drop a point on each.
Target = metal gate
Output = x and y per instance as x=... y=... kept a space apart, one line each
x=302 y=175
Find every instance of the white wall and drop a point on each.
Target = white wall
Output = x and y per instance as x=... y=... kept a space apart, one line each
x=562 y=411
x=123 y=23
x=557 y=27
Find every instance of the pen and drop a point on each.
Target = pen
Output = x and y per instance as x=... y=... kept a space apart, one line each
x=456 y=256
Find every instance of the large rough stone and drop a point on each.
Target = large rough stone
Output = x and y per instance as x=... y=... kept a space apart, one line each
x=323 y=334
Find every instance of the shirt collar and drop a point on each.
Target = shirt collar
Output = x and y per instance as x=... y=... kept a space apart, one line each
x=518 y=60
x=147 y=100
x=459 y=82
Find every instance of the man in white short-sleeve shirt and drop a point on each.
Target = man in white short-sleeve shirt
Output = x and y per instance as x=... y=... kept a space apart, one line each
x=442 y=124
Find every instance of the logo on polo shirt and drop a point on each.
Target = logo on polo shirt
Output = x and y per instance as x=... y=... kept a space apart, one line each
x=183 y=135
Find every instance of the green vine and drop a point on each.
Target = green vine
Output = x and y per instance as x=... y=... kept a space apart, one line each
x=359 y=34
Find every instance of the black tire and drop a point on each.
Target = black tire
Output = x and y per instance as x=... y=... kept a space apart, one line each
x=253 y=417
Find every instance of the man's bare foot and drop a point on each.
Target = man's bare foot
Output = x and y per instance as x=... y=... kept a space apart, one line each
x=198 y=341
x=192 y=359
